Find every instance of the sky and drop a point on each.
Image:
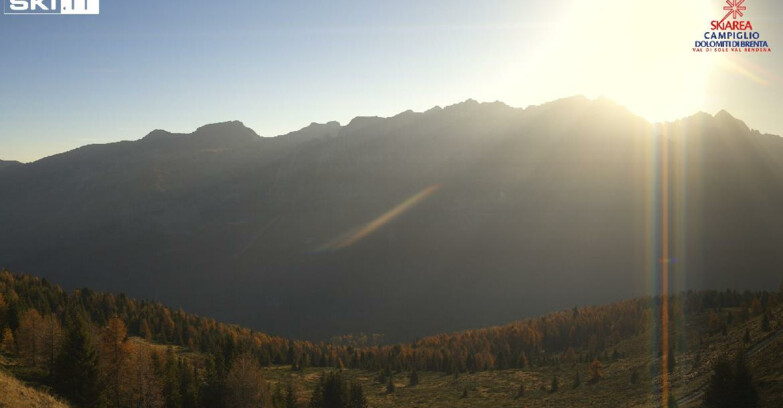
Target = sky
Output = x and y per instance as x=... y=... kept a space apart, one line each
x=68 y=81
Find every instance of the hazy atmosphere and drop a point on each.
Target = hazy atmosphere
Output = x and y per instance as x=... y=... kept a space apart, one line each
x=440 y=204
x=145 y=65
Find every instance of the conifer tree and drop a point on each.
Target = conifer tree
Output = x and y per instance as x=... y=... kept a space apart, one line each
x=333 y=391
x=357 y=399
x=390 y=388
x=52 y=341
x=731 y=387
x=188 y=385
x=76 y=368
x=635 y=377
x=290 y=396
x=414 y=378
x=168 y=372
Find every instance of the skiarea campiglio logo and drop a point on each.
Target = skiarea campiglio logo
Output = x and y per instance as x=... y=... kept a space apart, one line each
x=732 y=33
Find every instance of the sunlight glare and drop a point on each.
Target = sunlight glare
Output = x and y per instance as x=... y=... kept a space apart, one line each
x=638 y=54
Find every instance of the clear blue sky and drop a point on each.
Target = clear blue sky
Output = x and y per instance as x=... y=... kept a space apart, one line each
x=140 y=65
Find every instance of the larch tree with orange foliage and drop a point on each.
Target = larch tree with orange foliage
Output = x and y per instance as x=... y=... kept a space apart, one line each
x=145 y=390
x=52 y=340
x=3 y=306
x=29 y=337
x=596 y=371
x=9 y=343
x=115 y=353
x=245 y=384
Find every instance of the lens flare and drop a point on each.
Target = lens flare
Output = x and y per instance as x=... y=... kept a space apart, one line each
x=744 y=67
x=357 y=234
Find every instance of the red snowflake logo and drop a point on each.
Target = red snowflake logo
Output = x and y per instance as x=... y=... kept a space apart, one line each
x=735 y=9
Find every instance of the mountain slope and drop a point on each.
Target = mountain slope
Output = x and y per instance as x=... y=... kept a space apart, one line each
x=16 y=394
x=392 y=224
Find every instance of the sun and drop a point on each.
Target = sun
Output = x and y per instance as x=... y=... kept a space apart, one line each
x=636 y=53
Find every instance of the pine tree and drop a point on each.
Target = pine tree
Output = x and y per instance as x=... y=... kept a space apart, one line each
x=414 y=378
x=213 y=388
x=381 y=379
x=744 y=390
x=188 y=385
x=521 y=391
x=169 y=372
x=731 y=387
x=357 y=399
x=278 y=400
x=52 y=341
x=290 y=396
x=332 y=391
x=765 y=322
x=144 y=329
x=390 y=388
x=76 y=367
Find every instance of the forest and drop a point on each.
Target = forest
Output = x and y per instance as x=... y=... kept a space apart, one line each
x=105 y=350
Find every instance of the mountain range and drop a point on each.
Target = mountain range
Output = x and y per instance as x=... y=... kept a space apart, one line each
x=464 y=216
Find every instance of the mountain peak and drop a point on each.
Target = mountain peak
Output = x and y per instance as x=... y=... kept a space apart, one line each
x=722 y=114
x=157 y=134
x=213 y=135
x=233 y=126
x=726 y=119
x=314 y=130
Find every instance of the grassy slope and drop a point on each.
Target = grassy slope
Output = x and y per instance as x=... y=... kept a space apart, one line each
x=498 y=388
x=15 y=394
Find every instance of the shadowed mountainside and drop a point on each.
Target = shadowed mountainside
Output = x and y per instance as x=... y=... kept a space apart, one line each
x=483 y=214
x=5 y=164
